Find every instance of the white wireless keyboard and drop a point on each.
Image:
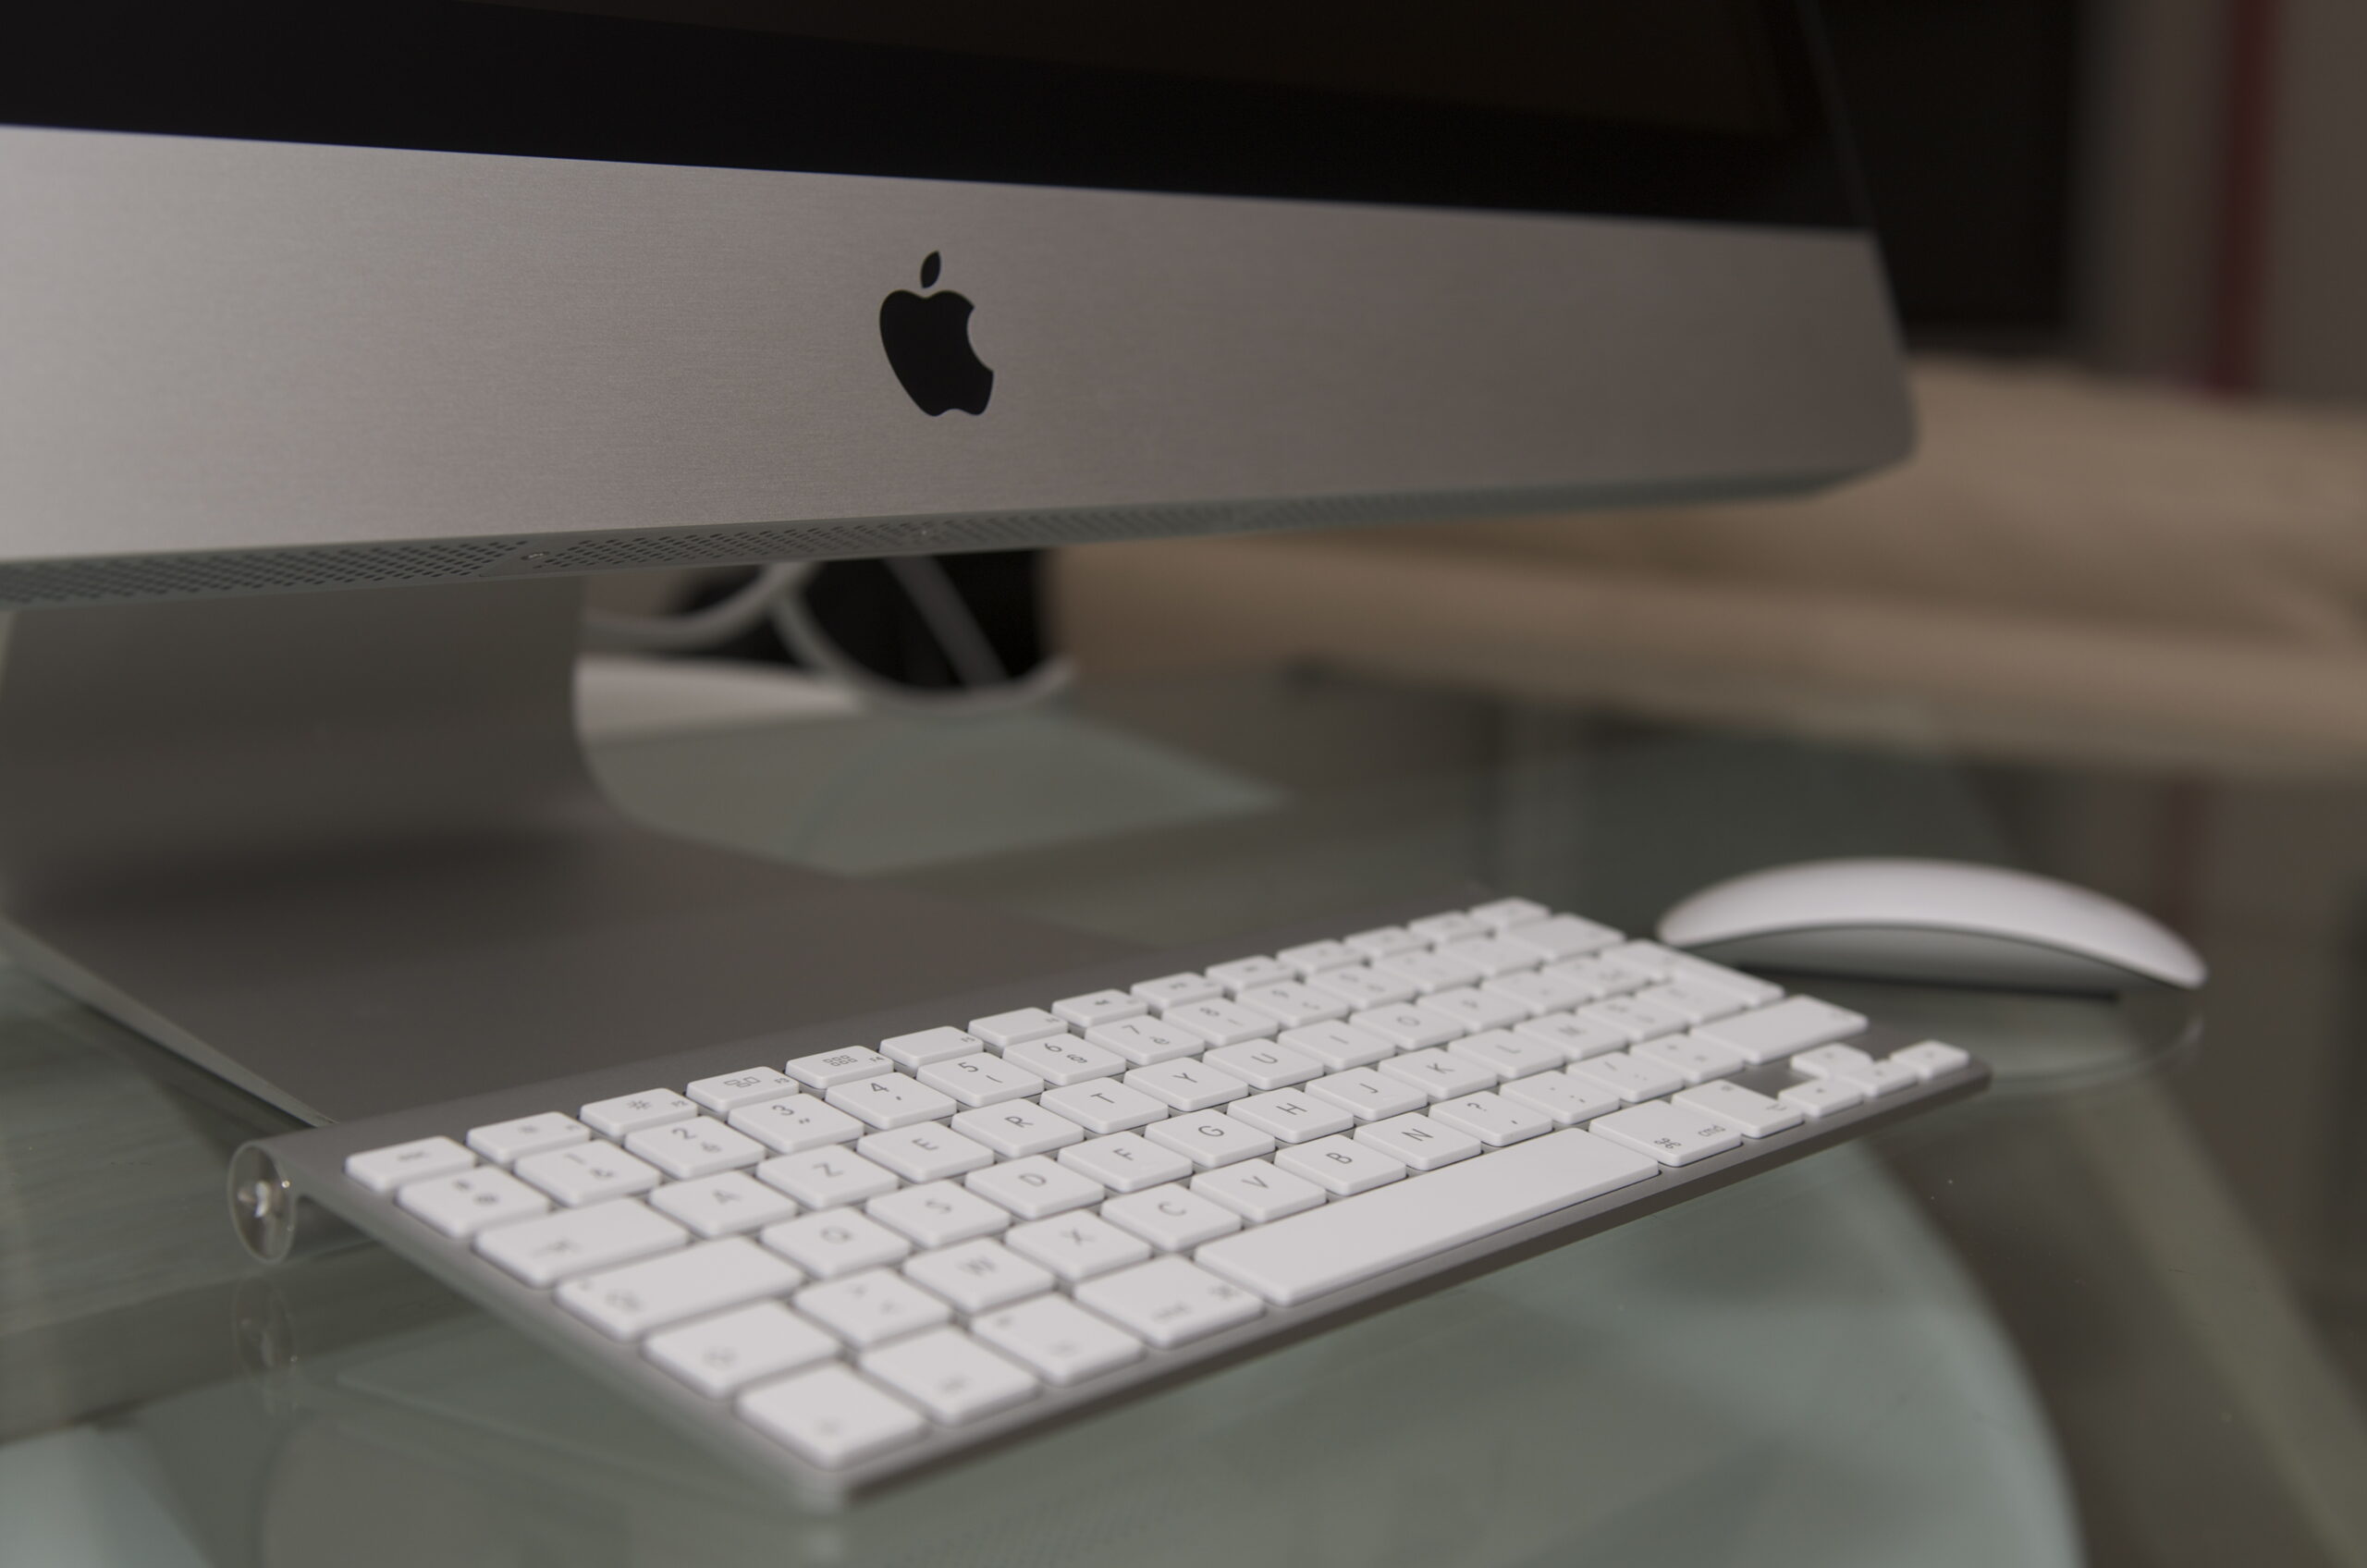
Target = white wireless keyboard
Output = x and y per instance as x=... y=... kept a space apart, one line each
x=870 y=1245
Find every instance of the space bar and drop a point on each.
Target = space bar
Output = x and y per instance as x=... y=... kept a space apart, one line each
x=1325 y=1249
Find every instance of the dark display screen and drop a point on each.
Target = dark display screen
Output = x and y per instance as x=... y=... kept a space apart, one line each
x=1702 y=65
x=1694 y=109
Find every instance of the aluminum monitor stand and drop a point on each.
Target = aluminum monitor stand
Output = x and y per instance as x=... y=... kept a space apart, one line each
x=343 y=850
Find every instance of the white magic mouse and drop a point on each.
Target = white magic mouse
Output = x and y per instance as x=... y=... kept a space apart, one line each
x=1940 y=920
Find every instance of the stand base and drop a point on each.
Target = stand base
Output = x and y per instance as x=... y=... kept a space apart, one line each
x=342 y=851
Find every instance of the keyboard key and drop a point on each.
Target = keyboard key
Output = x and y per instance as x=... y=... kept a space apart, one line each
x=1341 y=1165
x=871 y=1308
x=1505 y=913
x=1635 y=1017
x=588 y=1173
x=1562 y=937
x=1793 y=1024
x=1543 y=991
x=1034 y=1188
x=728 y=1091
x=1209 y=1139
x=831 y=1416
x=827 y=1070
x=1440 y=1073
x=1441 y=930
x=1221 y=1022
x=1175 y=990
x=1822 y=1096
x=382 y=1170
x=1103 y=1107
x=926 y=1152
x=628 y=1302
x=461 y=1205
x=1064 y=1058
x=1125 y=1163
x=1387 y=941
x=1880 y=1078
x=1146 y=1040
x=892 y=1100
x=1604 y=976
x=1295 y=1006
x=718 y=1355
x=951 y=1376
x=1017 y=1130
x=795 y=1124
x=1576 y=1038
x=1697 y=1059
x=938 y=1214
x=1339 y=1046
x=1567 y=1100
x=1408 y=1027
x=1699 y=1003
x=1077 y=1246
x=981 y=1080
x=1492 y=1119
x=1259 y=1189
x=1168 y=1301
x=1826 y=1061
x=1060 y=1339
x=1476 y=1010
x=1931 y=1059
x=1645 y=955
x=1670 y=1133
x=543 y=1252
x=1493 y=958
x=1265 y=1064
x=1368 y=1096
x=1243 y=972
x=631 y=1113
x=1308 y=1255
x=1096 y=1008
x=1292 y=1116
x=1753 y=991
x=1630 y=1077
x=922 y=1047
x=1507 y=1055
x=1171 y=1218
x=698 y=1147
x=1019 y=1024
x=1186 y=1085
x=504 y=1142
x=723 y=1205
x=1364 y=987
x=1420 y=1143
x=829 y=1178
x=1748 y=1111
x=1314 y=958
x=978 y=1276
x=1428 y=972
x=841 y=1242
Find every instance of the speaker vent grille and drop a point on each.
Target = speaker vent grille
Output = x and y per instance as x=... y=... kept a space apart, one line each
x=244 y=571
x=256 y=571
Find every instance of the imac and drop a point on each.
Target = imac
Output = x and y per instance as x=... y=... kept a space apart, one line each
x=338 y=343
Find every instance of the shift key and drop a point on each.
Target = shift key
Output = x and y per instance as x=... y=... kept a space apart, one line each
x=627 y=1302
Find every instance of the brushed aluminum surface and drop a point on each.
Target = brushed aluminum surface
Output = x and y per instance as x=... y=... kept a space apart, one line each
x=219 y=346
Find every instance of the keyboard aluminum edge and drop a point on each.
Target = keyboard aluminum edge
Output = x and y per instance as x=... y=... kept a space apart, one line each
x=312 y=1162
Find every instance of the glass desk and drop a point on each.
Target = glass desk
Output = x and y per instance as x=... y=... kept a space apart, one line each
x=2099 y=1313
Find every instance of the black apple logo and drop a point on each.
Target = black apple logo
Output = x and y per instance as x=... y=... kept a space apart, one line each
x=928 y=340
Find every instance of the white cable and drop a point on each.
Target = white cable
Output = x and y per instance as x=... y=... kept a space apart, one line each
x=775 y=594
x=737 y=612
